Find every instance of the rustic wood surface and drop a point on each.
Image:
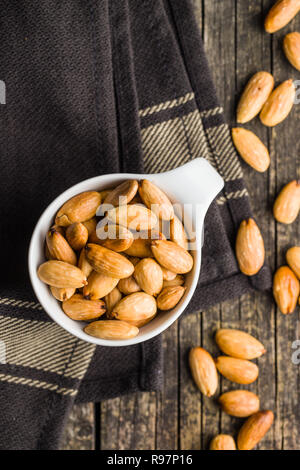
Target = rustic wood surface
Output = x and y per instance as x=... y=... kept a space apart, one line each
x=179 y=417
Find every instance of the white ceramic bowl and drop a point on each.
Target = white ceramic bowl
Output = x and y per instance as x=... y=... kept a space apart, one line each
x=193 y=185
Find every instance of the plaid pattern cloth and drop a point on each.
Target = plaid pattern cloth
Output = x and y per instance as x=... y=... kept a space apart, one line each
x=97 y=87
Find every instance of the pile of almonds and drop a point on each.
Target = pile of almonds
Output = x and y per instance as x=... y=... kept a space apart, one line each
x=120 y=263
x=273 y=106
x=240 y=348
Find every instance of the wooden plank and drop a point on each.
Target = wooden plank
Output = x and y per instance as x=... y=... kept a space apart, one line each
x=79 y=431
x=285 y=139
x=128 y=422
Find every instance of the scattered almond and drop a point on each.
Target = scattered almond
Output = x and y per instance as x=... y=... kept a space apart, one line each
x=239 y=344
x=287 y=204
x=237 y=370
x=203 y=370
x=291 y=47
x=293 y=259
x=285 y=289
x=254 y=429
x=222 y=442
x=249 y=248
x=254 y=96
x=279 y=104
x=281 y=14
x=251 y=149
x=239 y=403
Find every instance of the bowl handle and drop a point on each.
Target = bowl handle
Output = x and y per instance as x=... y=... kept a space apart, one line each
x=196 y=183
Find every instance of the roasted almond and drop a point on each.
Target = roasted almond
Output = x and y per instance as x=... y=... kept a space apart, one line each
x=239 y=344
x=83 y=264
x=172 y=256
x=79 y=208
x=177 y=233
x=111 y=329
x=81 y=309
x=167 y=275
x=291 y=47
x=254 y=429
x=91 y=228
x=254 y=96
x=149 y=276
x=61 y=274
x=281 y=14
x=177 y=281
x=285 y=289
x=239 y=403
x=114 y=237
x=249 y=248
x=112 y=299
x=203 y=370
x=108 y=262
x=279 y=104
x=222 y=442
x=59 y=248
x=287 y=204
x=156 y=200
x=169 y=297
x=99 y=285
x=77 y=235
x=61 y=293
x=133 y=216
x=128 y=285
x=239 y=371
x=293 y=259
x=137 y=309
x=141 y=246
x=251 y=149
x=122 y=194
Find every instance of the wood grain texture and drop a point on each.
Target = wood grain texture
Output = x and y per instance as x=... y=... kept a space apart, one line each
x=80 y=429
x=180 y=417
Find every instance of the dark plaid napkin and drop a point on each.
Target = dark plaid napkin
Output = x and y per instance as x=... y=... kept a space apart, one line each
x=93 y=87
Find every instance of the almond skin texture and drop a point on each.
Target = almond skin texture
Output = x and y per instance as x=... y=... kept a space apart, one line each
x=128 y=285
x=78 y=308
x=177 y=281
x=133 y=216
x=287 y=204
x=149 y=276
x=239 y=403
x=254 y=429
x=114 y=237
x=279 y=104
x=59 y=248
x=83 y=264
x=172 y=256
x=60 y=274
x=251 y=149
x=167 y=275
x=293 y=259
x=203 y=370
x=239 y=344
x=236 y=370
x=79 y=208
x=99 y=285
x=156 y=200
x=222 y=442
x=169 y=297
x=122 y=194
x=141 y=246
x=112 y=299
x=249 y=248
x=61 y=293
x=281 y=14
x=136 y=309
x=177 y=233
x=254 y=96
x=291 y=47
x=108 y=262
x=77 y=235
x=111 y=329
x=91 y=225
x=285 y=289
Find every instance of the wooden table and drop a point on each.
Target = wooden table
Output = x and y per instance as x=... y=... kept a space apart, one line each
x=180 y=417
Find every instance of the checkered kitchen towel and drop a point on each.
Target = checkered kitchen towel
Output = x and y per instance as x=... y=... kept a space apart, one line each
x=93 y=87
